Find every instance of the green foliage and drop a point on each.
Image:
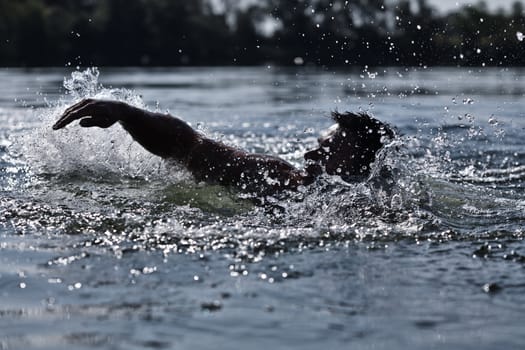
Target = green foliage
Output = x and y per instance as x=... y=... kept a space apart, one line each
x=318 y=32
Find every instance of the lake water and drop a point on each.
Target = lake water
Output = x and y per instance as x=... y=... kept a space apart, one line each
x=105 y=246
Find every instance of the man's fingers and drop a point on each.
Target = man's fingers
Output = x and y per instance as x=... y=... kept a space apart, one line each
x=82 y=109
x=62 y=122
x=59 y=124
x=64 y=119
x=103 y=113
x=78 y=105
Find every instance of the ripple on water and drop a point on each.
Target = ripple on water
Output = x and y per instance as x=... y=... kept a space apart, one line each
x=109 y=245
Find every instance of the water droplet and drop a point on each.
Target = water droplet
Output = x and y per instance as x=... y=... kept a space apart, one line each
x=519 y=36
x=298 y=61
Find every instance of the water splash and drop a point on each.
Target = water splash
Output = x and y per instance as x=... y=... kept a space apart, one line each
x=114 y=194
x=83 y=83
x=76 y=151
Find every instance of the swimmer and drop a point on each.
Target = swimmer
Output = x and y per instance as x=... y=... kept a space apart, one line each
x=347 y=149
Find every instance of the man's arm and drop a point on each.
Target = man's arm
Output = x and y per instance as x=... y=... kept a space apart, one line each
x=214 y=162
x=208 y=160
x=160 y=134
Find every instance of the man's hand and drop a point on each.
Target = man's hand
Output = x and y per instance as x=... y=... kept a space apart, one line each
x=161 y=134
x=92 y=113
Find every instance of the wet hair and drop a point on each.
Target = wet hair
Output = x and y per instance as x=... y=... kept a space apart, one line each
x=363 y=125
x=364 y=136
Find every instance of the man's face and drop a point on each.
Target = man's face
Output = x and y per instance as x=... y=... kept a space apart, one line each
x=335 y=153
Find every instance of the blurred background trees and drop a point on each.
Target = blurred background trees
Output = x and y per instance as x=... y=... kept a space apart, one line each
x=225 y=32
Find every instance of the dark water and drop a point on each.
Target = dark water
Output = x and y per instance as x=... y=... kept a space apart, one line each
x=104 y=246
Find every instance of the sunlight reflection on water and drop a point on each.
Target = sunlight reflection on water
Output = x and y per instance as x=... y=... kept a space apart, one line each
x=111 y=245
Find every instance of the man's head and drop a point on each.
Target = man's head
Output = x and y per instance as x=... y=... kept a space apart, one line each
x=349 y=147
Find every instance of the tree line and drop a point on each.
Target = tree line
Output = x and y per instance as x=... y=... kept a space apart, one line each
x=231 y=32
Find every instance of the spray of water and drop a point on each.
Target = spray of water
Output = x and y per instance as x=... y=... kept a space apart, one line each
x=80 y=151
x=109 y=186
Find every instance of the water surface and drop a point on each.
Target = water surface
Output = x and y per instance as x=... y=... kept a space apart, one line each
x=104 y=246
